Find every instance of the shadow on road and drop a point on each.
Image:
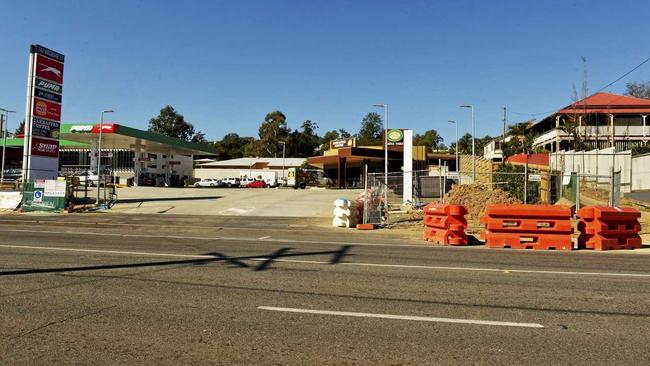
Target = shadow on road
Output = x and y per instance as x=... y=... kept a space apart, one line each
x=262 y=262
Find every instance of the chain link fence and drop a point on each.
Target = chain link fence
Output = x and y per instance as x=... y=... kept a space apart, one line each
x=529 y=186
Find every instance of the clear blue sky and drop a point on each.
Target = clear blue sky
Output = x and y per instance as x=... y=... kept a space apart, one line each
x=225 y=64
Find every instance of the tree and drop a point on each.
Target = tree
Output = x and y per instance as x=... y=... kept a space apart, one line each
x=171 y=123
x=370 y=132
x=521 y=139
x=431 y=139
x=638 y=89
x=21 y=128
x=344 y=134
x=272 y=131
x=465 y=144
x=232 y=146
x=199 y=137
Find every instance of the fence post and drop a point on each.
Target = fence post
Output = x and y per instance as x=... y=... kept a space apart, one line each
x=365 y=196
x=526 y=180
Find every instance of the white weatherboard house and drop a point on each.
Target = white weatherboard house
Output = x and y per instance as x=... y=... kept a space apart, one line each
x=245 y=167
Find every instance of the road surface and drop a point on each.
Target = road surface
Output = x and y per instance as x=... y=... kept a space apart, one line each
x=120 y=289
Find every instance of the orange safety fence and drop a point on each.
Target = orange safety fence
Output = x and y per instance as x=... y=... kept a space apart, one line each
x=520 y=226
x=608 y=228
x=445 y=224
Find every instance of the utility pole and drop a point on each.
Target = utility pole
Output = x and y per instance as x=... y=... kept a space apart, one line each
x=503 y=140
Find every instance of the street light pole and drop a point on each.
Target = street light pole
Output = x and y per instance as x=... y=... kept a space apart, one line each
x=456 y=149
x=473 y=143
x=4 y=144
x=99 y=149
x=385 y=106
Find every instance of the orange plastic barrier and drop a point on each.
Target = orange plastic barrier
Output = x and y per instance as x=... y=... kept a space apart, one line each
x=528 y=227
x=445 y=224
x=607 y=228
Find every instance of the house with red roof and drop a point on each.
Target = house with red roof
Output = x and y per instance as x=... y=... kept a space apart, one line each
x=599 y=121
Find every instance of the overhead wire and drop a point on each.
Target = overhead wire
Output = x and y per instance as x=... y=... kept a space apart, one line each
x=599 y=90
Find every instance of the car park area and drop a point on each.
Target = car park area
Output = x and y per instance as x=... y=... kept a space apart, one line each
x=285 y=202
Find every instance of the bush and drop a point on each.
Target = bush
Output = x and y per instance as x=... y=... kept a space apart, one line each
x=514 y=183
x=640 y=149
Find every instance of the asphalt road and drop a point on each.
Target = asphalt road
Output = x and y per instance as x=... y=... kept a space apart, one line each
x=98 y=289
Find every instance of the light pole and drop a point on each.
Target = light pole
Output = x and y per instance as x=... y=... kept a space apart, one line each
x=4 y=144
x=99 y=149
x=473 y=143
x=456 y=125
x=284 y=144
x=385 y=106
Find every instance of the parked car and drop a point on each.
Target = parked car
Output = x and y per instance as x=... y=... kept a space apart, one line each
x=230 y=182
x=244 y=181
x=207 y=182
x=88 y=175
x=257 y=184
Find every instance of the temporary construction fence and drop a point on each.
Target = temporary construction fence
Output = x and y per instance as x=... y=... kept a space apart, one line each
x=528 y=227
x=538 y=227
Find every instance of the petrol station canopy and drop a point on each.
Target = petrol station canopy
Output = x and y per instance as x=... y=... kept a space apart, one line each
x=116 y=136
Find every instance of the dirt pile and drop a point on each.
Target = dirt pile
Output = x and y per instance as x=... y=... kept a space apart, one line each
x=475 y=197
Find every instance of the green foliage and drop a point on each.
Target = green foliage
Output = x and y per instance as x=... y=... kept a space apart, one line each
x=171 y=123
x=232 y=146
x=303 y=143
x=521 y=139
x=641 y=149
x=638 y=89
x=21 y=128
x=273 y=130
x=371 y=130
x=465 y=145
x=431 y=139
x=514 y=183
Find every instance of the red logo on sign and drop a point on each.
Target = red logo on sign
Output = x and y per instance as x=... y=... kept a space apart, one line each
x=106 y=128
x=45 y=109
x=49 y=69
x=42 y=147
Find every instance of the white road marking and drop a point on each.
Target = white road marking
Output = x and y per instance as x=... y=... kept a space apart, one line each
x=236 y=211
x=230 y=238
x=358 y=264
x=402 y=317
x=264 y=238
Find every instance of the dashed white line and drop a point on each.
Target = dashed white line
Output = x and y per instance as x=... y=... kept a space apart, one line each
x=402 y=317
x=358 y=264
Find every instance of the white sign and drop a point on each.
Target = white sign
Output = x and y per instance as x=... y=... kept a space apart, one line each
x=39 y=183
x=55 y=188
x=534 y=177
x=38 y=196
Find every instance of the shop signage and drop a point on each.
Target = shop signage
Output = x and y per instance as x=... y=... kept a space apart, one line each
x=48 y=85
x=341 y=143
x=45 y=147
x=81 y=128
x=49 y=69
x=45 y=109
x=106 y=128
x=44 y=94
x=38 y=49
x=45 y=128
x=395 y=137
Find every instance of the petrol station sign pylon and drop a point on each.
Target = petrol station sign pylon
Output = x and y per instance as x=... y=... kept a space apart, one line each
x=43 y=114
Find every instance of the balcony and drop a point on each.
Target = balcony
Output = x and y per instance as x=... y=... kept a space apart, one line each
x=592 y=132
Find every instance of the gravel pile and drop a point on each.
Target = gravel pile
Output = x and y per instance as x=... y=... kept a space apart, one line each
x=475 y=197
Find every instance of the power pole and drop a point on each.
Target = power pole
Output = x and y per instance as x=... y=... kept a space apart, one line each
x=503 y=140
